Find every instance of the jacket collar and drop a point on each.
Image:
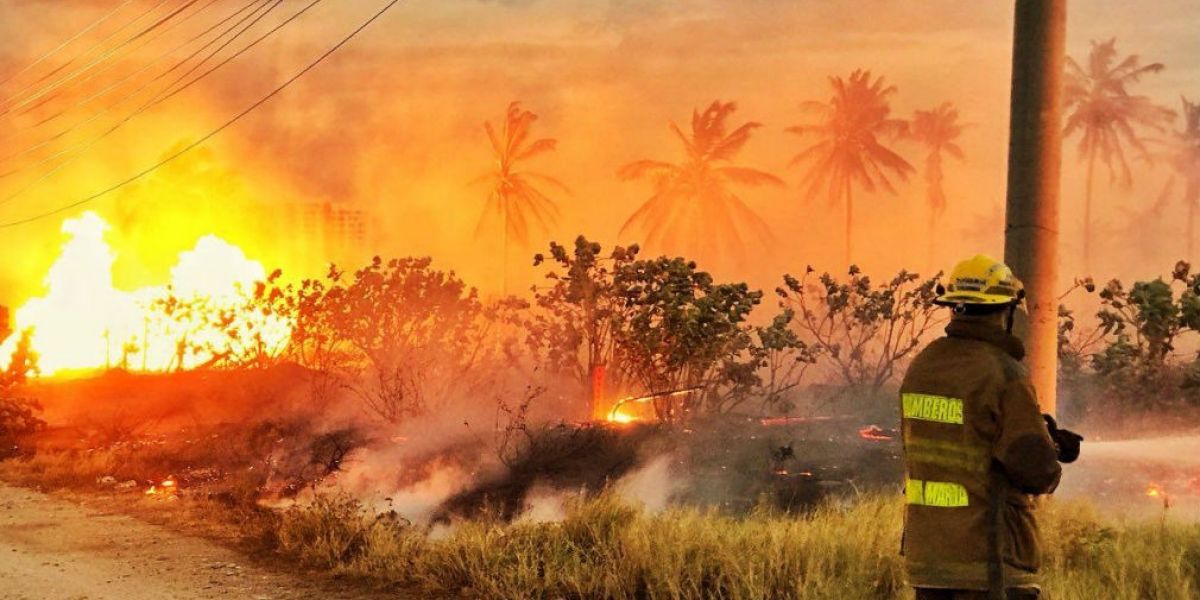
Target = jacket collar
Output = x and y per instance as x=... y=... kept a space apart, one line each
x=966 y=327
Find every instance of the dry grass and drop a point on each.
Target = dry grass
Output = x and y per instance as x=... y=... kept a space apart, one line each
x=1090 y=558
x=605 y=547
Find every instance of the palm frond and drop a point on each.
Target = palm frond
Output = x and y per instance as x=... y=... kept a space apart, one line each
x=727 y=147
x=1102 y=110
x=641 y=169
x=538 y=147
x=749 y=177
x=823 y=148
x=746 y=215
x=547 y=180
x=848 y=152
x=689 y=196
x=641 y=213
x=497 y=144
x=513 y=199
x=516 y=128
x=538 y=204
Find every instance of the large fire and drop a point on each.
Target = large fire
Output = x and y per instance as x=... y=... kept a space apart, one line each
x=83 y=322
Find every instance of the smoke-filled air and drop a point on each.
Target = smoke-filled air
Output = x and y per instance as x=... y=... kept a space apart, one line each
x=567 y=299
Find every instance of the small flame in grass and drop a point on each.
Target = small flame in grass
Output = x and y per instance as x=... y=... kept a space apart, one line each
x=874 y=433
x=621 y=418
x=1157 y=491
x=169 y=488
x=805 y=474
x=641 y=409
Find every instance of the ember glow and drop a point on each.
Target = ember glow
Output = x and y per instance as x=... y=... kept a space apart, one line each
x=83 y=322
x=168 y=489
x=1157 y=492
x=637 y=409
x=617 y=417
x=874 y=433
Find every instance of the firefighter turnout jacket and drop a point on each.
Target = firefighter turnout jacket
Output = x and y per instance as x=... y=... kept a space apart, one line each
x=976 y=450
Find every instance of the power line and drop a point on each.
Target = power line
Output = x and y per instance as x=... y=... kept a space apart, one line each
x=64 y=132
x=79 y=149
x=161 y=98
x=151 y=63
x=66 y=43
x=226 y=125
x=8 y=101
x=110 y=64
x=99 y=59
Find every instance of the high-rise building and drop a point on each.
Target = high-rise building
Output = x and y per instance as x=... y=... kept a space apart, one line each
x=327 y=232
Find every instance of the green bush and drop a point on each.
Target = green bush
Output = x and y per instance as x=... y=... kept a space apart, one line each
x=1129 y=365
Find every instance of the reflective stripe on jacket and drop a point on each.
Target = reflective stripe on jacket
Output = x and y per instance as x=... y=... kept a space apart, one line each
x=976 y=450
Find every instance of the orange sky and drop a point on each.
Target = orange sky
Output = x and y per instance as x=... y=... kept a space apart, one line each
x=393 y=124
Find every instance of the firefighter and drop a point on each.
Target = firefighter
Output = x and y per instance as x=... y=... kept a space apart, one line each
x=976 y=448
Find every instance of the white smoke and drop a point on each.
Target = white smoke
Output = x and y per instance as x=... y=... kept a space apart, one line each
x=653 y=485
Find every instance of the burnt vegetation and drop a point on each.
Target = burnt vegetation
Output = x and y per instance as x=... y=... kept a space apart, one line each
x=400 y=359
x=402 y=370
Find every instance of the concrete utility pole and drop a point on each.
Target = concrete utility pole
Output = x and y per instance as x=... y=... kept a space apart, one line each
x=1034 y=162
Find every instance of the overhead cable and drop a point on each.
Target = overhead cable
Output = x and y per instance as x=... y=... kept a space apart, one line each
x=15 y=96
x=68 y=130
x=60 y=92
x=226 y=125
x=74 y=152
x=39 y=60
x=97 y=60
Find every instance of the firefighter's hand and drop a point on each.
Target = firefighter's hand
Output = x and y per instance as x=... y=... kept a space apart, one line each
x=1066 y=442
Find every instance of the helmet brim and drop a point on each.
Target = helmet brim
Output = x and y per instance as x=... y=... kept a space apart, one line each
x=978 y=299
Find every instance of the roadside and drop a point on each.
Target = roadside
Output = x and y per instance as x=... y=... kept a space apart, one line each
x=52 y=548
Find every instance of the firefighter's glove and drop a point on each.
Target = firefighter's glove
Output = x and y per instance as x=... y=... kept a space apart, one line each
x=1066 y=442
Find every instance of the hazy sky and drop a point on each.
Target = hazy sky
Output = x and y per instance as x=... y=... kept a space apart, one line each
x=393 y=124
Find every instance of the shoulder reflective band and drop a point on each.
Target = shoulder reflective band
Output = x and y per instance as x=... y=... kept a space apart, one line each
x=935 y=493
x=933 y=408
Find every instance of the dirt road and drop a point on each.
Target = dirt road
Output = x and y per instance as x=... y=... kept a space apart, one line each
x=52 y=549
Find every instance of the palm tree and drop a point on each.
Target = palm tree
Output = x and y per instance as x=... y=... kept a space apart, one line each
x=692 y=207
x=1103 y=111
x=512 y=196
x=848 y=150
x=937 y=129
x=1183 y=154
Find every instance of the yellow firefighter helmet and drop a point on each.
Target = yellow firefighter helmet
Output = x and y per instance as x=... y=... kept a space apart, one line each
x=981 y=280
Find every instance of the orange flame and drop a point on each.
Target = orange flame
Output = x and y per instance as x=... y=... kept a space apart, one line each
x=1159 y=492
x=169 y=488
x=874 y=433
x=622 y=418
x=83 y=322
